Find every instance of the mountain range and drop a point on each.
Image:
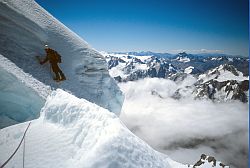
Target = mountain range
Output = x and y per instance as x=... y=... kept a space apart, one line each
x=219 y=78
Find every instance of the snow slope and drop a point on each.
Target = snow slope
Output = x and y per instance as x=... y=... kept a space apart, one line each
x=73 y=132
x=26 y=27
x=223 y=73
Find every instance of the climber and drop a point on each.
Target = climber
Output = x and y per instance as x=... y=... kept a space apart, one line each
x=54 y=58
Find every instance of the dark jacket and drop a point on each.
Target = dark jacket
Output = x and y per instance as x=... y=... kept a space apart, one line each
x=52 y=56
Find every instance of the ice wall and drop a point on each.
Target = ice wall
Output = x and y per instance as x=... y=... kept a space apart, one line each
x=24 y=29
x=18 y=102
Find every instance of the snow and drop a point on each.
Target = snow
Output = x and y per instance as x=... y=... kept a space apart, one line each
x=41 y=89
x=26 y=27
x=125 y=57
x=141 y=66
x=70 y=132
x=171 y=68
x=73 y=132
x=188 y=70
x=183 y=59
x=118 y=71
x=21 y=96
x=173 y=126
x=221 y=75
x=207 y=162
x=216 y=58
x=143 y=58
x=227 y=75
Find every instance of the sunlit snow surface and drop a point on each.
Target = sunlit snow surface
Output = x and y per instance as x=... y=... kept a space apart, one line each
x=73 y=132
x=221 y=75
x=188 y=70
x=26 y=27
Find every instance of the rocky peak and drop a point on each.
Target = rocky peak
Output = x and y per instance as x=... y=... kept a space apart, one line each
x=209 y=161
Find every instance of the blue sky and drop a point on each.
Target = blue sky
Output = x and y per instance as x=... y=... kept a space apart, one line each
x=157 y=25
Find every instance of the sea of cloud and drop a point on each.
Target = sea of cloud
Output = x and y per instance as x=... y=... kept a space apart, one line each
x=186 y=128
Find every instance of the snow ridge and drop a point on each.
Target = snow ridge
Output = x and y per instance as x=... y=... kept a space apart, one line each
x=41 y=89
x=26 y=27
x=73 y=132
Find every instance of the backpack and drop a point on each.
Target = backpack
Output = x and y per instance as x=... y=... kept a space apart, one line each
x=57 y=57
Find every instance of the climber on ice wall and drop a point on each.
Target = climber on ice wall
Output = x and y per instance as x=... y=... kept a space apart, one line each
x=54 y=58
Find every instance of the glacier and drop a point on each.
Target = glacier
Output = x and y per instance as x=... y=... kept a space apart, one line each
x=26 y=27
x=73 y=132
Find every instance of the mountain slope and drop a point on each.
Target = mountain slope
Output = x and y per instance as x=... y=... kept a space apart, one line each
x=26 y=27
x=223 y=83
x=73 y=132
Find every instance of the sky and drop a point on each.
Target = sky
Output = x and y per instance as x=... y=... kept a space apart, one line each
x=157 y=25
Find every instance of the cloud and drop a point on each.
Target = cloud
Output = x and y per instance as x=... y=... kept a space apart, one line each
x=198 y=51
x=185 y=128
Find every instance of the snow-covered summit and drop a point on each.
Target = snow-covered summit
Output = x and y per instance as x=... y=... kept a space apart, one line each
x=26 y=27
x=222 y=73
x=223 y=83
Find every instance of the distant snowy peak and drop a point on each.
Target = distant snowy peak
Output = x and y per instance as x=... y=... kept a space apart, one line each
x=222 y=73
x=183 y=59
x=223 y=91
x=188 y=70
x=223 y=83
x=131 y=67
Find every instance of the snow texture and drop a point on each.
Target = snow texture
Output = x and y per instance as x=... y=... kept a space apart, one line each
x=118 y=70
x=21 y=96
x=183 y=59
x=188 y=70
x=26 y=28
x=73 y=132
x=220 y=74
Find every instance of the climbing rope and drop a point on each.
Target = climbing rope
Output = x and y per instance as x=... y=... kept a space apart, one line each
x=23 y=139
x=23 y=151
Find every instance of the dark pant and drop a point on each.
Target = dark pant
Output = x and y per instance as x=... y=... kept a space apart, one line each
x=58 y=72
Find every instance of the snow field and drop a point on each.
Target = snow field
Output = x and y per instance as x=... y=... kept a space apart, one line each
x=73 y=132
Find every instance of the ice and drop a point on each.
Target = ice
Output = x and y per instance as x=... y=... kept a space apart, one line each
x=18 y=102
x=73 y=132
x=26 y=28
